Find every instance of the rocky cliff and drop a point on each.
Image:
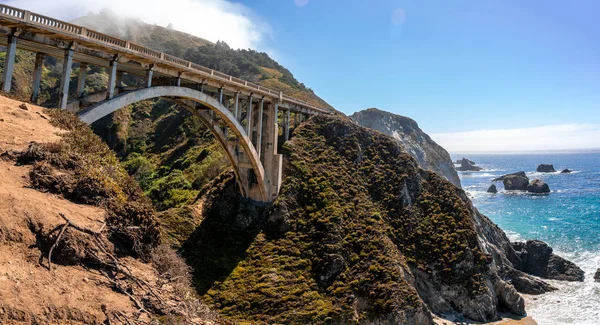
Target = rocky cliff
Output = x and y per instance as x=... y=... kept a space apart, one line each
x=417 y=143
x=359 y=234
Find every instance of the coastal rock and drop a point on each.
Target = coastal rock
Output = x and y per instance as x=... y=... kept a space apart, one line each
x=406 y=132
x=538 y=186
x=536 y=258
x=564 y=270
x=459 y=161
x=492 y=189
x=546 y=168
x=467 y=165
x=597 y=276
x=514 y=182
x=526 y=283
x=510 y=298
x=566 y=171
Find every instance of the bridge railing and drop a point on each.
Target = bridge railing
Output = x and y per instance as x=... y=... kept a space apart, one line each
x=105 y=38
x=12 y=12
x=61 y=26
x=53 y=23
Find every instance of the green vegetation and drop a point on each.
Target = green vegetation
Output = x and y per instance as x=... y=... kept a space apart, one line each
x=355 y=214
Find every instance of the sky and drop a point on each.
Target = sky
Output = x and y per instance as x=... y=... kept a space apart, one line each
x=477 y=75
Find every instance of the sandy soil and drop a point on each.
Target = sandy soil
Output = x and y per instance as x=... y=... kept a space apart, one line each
x=18 y=126
x=28 y=290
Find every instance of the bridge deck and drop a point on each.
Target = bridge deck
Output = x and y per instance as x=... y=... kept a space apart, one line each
x=50 y=36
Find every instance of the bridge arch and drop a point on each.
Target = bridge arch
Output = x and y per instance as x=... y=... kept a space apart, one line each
x=190 y=98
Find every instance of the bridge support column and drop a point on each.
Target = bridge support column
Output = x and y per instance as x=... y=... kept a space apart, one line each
x=260 y=127
x=249 y=118
x=37 y=76
x=112 y=79
x=149 y=73
x=272 y=161
x=295 y=120
x=81 y=79
x=286 y=125
x=66 y=78
x=9 y=63
x=237 y=105
x=178 y=81
x=221 y=95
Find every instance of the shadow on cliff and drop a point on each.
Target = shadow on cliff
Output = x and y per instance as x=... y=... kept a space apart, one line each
x=230 y=225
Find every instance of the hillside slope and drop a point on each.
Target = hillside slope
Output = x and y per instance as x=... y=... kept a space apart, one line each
x=358 y=235
x=117 y=275
x=417 y=143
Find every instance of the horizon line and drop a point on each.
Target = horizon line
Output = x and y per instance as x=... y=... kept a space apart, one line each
x=547 y=151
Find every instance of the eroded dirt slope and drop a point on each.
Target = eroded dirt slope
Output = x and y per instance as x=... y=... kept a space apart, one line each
x=31 y=293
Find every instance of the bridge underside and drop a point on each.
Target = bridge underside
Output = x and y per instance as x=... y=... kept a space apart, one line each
x=243 y=116
x=257 y=169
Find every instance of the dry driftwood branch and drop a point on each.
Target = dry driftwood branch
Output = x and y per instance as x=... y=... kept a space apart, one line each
x=80 y=228
x=115 y=265
x=56 y=243
x=120 y=288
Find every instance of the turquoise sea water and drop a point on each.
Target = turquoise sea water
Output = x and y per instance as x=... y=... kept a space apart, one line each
x=568 y=219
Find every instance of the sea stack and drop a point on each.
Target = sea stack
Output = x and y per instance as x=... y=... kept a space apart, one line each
x=546 y=168
x=467 y=165
x=597 y=276
x=514 y=182
x=492 y=189
x=538 y=186
x=566 y=171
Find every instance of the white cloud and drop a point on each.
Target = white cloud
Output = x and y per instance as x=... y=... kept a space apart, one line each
x=549 y=137
x=213 y=20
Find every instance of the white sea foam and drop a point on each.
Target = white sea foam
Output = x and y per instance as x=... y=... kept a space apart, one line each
x=474 y=175
x=574 y=302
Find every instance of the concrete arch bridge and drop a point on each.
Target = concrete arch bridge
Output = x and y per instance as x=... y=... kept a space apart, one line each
x=242 y=116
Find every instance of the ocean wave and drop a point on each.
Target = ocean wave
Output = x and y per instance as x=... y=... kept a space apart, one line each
x=538 y=174
x=573 y=302
x=474 y=175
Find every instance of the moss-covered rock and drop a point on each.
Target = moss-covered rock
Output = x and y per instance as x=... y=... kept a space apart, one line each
x=358 y=234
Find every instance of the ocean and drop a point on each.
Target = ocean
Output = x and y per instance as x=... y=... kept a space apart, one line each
x=568 y=219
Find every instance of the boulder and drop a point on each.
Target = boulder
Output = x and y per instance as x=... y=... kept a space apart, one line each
x=563 y=270
x=538 y=186
x=467 y=165
x=492 y=189
x=566 y=171
x=536 y=258
x=597 y=276
x=514 y=182
x=546 y=168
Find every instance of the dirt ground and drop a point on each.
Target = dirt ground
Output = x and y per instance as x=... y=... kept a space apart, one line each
x=29 y=292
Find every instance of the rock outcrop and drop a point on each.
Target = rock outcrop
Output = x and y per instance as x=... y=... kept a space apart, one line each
x=566 y=171
x=535 y=257
x=492 y=189
x=413 y=140
x=597 y=275
x=376 y=239
x=546 y=168
x=467 y=165
x=514 y=182
x=538 y=186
